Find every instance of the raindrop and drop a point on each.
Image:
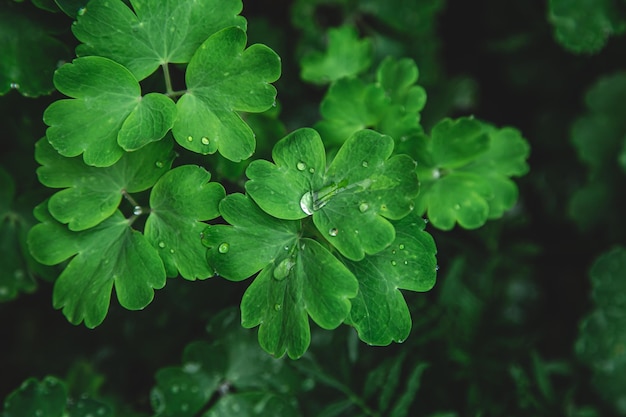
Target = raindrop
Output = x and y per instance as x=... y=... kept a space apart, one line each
x=15 y=86
x=301 y=166
x=393 y=251
x=365 y=164
x=283 y=269
x=161 y=244
x=278 y=307
x=159 y=164
x=274 y=104
x=189 y=138
x=333 y=232
x=172 y=251
x=436 y=267
x=406 y=262
x=401 y=246
x=312 y=170
x=363 y=207
x=137 y=210
x=82 y=11
x=286 y=248
x=411 y=206
x=223 y=247
x=394 y=263
x=204 y=140
x=306 y=203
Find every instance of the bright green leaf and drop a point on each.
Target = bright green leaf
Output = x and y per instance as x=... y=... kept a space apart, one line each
x=251 y=404
x=33 y=399
x=106 y=113
x=179 y=202
x=379 y=312
x=465 y=172
x=29 y=55
x=152 y=34
x=110 y=254
x=222 y=79
x=346 y=56
x=299 y=277
x=349 y=203
x=91 y=194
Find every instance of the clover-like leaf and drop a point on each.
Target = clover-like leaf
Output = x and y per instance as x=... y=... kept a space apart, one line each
x=584 y=26
x=29 y=55
x=299 y=277
x=346 y=56
x=465 y=170
x=179 y=202
x=250 y=404
x=379 y=312
x=92 y=194
x=106 y=113
x=110 y=254
x=151 y=34
x=222 y=79
x=350 y=201
x=37 y=398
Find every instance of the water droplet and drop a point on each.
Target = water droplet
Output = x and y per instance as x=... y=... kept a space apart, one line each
x=172 y=251
x=394 y=263
x=301 y=166
x=223 y=247
x=137 y=210
x=15 y=86
x=204 y=140
x=306 y=203
x=159 y=164
x=226 y=74
x=191 y=367
x=401 y=246
x=274 y=103
x=365 y=164
x=363 y=207
x=161 y=244
x=175 y=388
x=189 y=138
x=278 y=307
x=312 y=170
x=425 y=221
x=406 y=262
x=457 y=207
x=286 y=248
x=283 y=269
x=82 y=11
x=393 y=251
x=333 y=232
x=436 y=267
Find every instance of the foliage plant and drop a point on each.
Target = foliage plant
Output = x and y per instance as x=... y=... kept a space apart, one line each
x=168 y=159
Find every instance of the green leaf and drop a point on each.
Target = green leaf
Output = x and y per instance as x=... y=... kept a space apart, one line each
x=91 y=194
x=110 y=254
x=37 y=399
x=350 y=201
x=464 y=172
x=251 y=404
x=584 y=26
x=346 y=56
x=71 y=7
x=402 y=405
x=106 y=113
x=29 y=55
x=222 y=79
x=179 y=202
x=152 y=34
x=379 y=312
x=299 y=277
x=88 y=407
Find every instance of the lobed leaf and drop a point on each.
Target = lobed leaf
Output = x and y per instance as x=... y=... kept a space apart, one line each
x=222 y=79
x=379 y=312
x=179 y=202
x=110 y=254
x=92 y=194
x=106 y=113
x=151 y=34
x=346 y=56
x=350 y=201
x=464 y=172
x=37 y=398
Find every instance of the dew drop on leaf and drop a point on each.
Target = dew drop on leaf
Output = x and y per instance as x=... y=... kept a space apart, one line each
x=394 y=263
x=457 y=207
x=189 y=138
x=161 y=244
x=306 y=203
x=333 y=232
x=278 y=307
x=401 y=247
x=301 y=166
x=406 y=262
x=204 y=140
x=82 y=11
x=312 y=170
x=283 y=269
x=159 y=164
x=365 y=164
x=363 y=207
x=137 y=210
x=223 y=247
x=172 y=251
x=15 y=86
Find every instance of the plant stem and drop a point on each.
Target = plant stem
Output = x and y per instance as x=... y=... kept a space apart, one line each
x=168 y=79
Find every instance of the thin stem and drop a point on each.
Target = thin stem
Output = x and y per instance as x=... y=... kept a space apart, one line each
x=130 y=198
x=168 y=79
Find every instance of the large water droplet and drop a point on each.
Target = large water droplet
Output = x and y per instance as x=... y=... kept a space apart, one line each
x=137 y=210
x=333 y=232
x=363 y=207
x=223 y=247
x=306 y=203
x=301 y=166
x=82 y=11
x=161 y=244
x=204 y=140
x=394 y=263
x=283 y=269
x=401 y=247
x=159 y=164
